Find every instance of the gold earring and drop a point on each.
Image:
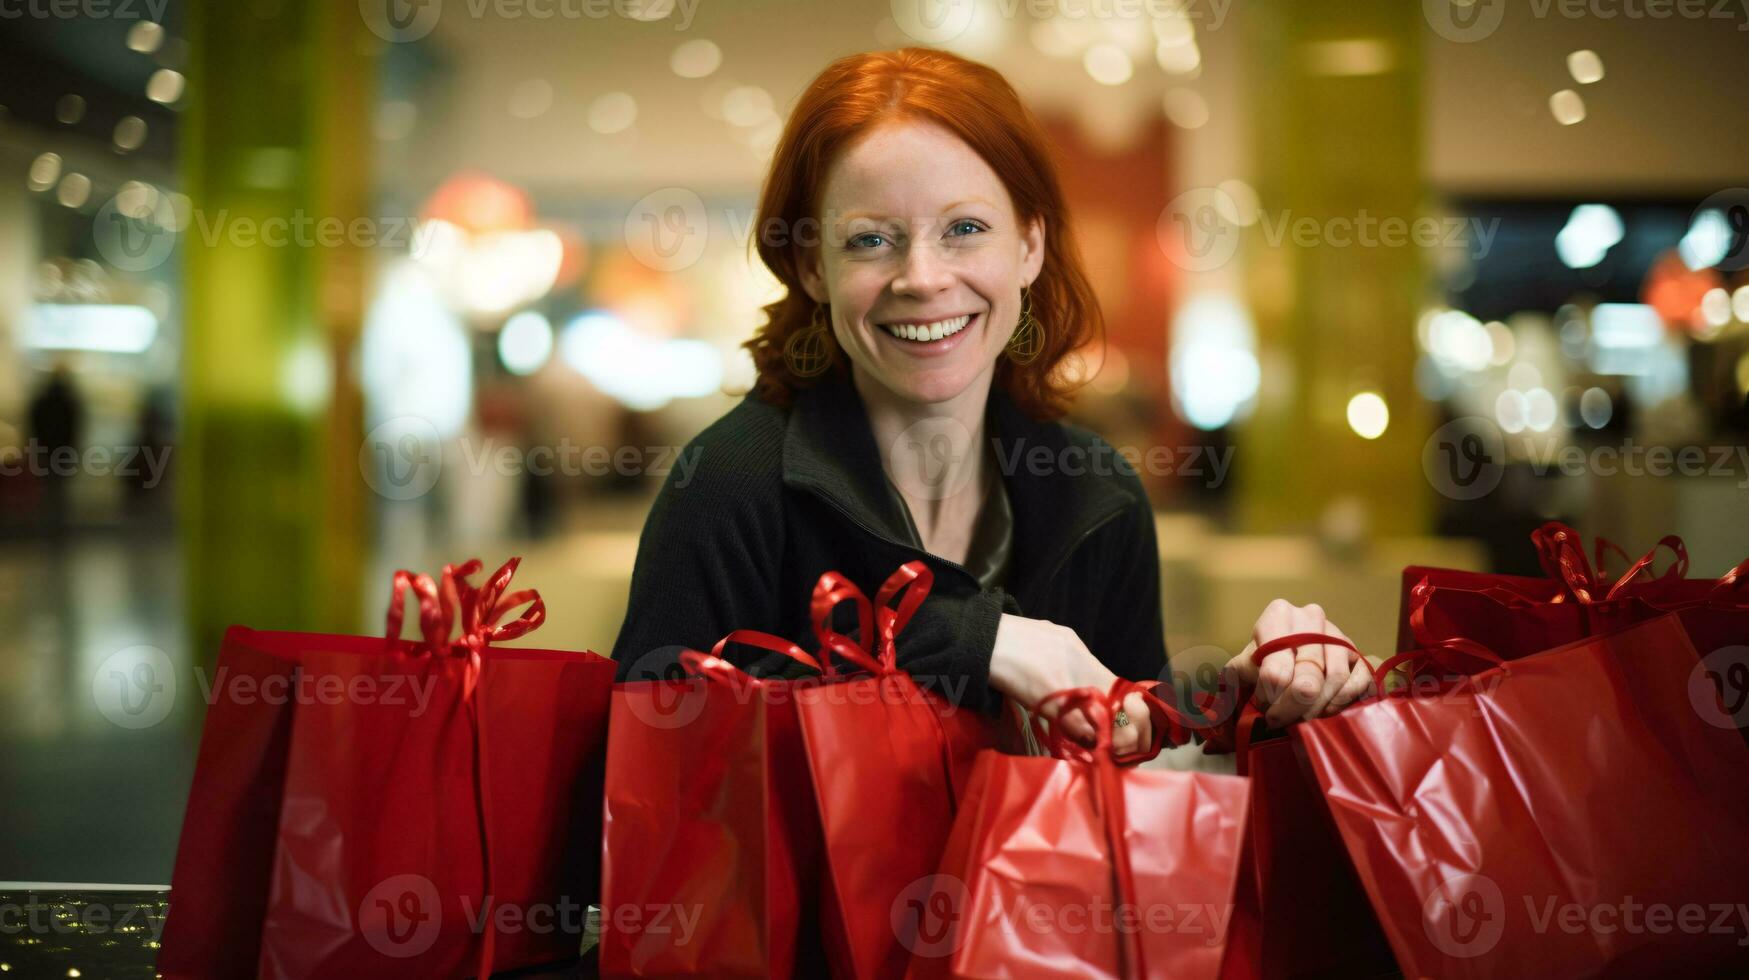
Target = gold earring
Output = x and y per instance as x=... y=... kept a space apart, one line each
x=808 y=353
x=1028 y=341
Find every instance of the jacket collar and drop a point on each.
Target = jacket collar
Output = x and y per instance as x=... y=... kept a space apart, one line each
x=829 y=450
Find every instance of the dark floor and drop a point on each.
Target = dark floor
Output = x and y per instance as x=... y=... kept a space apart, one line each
x=99 y=742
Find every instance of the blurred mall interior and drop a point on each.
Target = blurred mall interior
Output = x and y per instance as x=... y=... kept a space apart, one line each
x=289 y=291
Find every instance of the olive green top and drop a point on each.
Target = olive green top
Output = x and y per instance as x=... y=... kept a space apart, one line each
x=991 y=552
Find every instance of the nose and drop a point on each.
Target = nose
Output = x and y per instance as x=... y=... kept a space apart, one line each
x=924 y=273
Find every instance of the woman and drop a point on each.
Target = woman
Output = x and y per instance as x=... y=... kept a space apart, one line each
x=906 y=408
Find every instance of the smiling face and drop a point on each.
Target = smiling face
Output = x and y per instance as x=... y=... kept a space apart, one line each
x=922 y=260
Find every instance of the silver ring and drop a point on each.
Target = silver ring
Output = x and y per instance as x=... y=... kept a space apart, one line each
x=1120 y=719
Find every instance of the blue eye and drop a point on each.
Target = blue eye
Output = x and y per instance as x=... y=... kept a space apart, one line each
x=967 y=223
x=862 y=240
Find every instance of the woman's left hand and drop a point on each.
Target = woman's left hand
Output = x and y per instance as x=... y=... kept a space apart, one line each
x=1302 y=682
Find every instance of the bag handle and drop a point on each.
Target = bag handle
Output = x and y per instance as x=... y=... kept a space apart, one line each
x=911 y=581
x=713 y=667
x=1433 y=652
x=1678 y=568
x=1563 y=559
x=1732 y=581
x=876 y=650
x=829 y=592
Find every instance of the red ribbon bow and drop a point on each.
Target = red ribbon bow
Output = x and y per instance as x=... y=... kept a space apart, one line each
x=832 y=589
x=1562 y=555
x=481 y=608
x=913 y=579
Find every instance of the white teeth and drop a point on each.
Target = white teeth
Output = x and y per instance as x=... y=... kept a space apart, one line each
x=929 y=331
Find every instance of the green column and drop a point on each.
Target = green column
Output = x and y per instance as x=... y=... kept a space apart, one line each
x=1334 y=110
x=276 y=136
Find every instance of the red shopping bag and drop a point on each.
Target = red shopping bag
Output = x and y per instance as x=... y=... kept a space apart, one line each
x=1301 y=910
x=1516 y=617
x=1081 y=865
x=889 y=763
x=1527 y=819
x=400 y=808
x=710 y=838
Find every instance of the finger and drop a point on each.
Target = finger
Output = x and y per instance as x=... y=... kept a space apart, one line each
x=1353 y=687
x=1359 y=682
x=1242 y=668
x=1076 y=726
x=1277 y=668
x=1138 y=734
x=1123 y=738
x=1336 y=660
x=1307 y=679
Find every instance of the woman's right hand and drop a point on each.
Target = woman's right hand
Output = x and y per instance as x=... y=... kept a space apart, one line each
x=1033 y=659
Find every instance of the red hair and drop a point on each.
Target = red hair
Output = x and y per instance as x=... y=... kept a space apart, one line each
x=973 y=101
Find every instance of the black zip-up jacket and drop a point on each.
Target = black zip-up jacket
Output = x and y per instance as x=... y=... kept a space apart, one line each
x=776 y=497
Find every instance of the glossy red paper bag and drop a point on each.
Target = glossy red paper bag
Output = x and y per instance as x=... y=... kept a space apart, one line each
x=710 y=842
x=1300 y=911
x=1524 y=820
x=889 y=761
x=1517 y=617
x=1078 y=866
x=1311 y=914
x=224 y=861
x=366 y=797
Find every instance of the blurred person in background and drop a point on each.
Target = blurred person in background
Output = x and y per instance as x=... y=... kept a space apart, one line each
x=57 y=425
x=907 y=407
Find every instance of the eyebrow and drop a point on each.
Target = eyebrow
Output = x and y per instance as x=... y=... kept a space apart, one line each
x=853 y=215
